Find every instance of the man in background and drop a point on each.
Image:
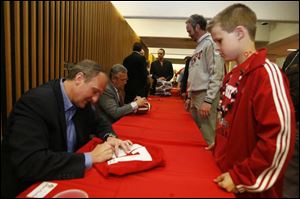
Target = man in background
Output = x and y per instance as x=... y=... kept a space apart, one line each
x=111 y=103
x=206 y=71
x=183 y=83
x=161 y=69
x=136 y=66
x=291 y=177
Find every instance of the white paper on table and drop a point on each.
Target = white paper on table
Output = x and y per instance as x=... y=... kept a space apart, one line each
x=141 y=151
x=42 y=190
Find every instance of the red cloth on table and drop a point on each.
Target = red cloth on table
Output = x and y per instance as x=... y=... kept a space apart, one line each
x=123 y=168
x=175 y=91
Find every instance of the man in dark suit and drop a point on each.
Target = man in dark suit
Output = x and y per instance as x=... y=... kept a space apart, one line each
x=111 y=103
x=183 y=83
x=49 y=123
x=137 y=74
x=291 y=176
x=161 y=69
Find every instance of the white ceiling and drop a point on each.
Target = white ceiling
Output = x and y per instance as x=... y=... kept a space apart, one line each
x=265 y=10
x=167 y=18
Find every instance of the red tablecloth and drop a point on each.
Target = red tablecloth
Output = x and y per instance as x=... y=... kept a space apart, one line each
x=189 y=170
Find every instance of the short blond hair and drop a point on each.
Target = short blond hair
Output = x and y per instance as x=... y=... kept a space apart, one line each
x=233 y=16
x=88 y=67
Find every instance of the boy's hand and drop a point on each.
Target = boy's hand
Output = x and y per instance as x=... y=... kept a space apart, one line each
x=225 y=181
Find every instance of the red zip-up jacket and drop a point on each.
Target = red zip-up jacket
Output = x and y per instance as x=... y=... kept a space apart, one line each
x=256 y=141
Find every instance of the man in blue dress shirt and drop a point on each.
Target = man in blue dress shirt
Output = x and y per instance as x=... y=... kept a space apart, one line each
x=49 y=123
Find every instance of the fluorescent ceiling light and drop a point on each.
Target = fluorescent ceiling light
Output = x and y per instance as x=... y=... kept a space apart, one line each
x=291 y=49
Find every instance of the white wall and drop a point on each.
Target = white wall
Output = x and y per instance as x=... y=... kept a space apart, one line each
x=279 y=31
x=280 y=61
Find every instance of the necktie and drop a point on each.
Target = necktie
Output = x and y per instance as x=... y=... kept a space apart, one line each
x=71 y=133
x=121 y=97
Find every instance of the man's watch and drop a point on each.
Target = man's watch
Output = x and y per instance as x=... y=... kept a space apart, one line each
x=109 y=135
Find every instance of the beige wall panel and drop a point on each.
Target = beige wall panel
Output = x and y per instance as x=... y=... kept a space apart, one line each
x=50 y=34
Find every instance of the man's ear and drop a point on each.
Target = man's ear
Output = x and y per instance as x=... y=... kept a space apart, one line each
x=113 y=79
x=197 y=27
x=240 y=32
x=79 y=77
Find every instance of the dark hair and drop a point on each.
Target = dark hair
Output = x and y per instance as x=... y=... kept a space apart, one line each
x=162 y=50
x=88 y=67
x=137 y=46
x=187 y=58
x=197 y=19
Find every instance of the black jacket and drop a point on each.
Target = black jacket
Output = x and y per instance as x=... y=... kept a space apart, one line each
x=34 y=147
x=166 y=70
x=183 y=84
x=137 y=76
x=291 y=69
x=157 y=70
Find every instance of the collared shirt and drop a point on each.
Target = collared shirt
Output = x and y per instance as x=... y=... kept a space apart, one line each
x=203 y=36
x=134 y=105
x=70 y=110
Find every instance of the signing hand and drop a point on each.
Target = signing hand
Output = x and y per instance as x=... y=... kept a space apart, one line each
x=102 y=152
x=141 y=102
x=116 y=143
x=137 y=97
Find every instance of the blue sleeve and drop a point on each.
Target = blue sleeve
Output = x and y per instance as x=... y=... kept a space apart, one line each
x=88 y=160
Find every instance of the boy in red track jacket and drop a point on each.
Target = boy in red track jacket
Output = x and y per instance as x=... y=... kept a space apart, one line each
x=256 y=133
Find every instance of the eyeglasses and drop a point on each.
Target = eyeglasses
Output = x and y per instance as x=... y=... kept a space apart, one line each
x=123 y=79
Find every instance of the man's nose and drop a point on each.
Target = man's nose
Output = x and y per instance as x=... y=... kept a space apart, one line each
x=95 y=98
